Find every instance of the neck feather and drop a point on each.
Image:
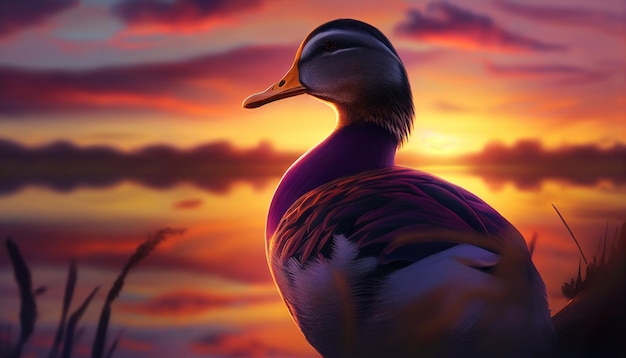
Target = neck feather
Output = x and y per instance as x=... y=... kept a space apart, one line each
x=349 y=150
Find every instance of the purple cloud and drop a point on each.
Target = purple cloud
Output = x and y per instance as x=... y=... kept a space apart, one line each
x=452 y=25
x=16 y=15
x=165 y=87
x=179 y=13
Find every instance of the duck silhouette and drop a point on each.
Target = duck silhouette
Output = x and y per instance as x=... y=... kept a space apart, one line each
x=378 y=260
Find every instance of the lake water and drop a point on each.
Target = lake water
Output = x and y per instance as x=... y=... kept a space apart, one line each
x=208 y=291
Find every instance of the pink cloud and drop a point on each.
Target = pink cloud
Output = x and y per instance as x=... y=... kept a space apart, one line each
x=189 y=303
x=17 y=15
x=613 y=22
x=179 y=15
x=565 y=74
x=106 y=248
x=448 y=24
x=192 y=87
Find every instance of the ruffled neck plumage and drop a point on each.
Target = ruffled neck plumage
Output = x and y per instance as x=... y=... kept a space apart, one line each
x=349 y=150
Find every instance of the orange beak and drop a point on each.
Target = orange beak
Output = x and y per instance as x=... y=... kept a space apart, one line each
x=288 y=86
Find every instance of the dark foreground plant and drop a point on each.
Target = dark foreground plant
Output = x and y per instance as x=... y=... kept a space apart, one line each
x=593 y=323
x=28 y=306
x=67 y=333
x=140 y=253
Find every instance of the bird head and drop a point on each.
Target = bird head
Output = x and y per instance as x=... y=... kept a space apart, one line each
x=352 y=66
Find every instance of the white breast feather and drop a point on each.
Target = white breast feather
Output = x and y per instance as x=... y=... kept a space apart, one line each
x=323 y=295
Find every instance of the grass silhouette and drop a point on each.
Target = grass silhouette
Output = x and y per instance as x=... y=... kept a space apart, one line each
x=598 y=267
x=593 y=323
x=72 y=275
x=66 y=333
x=28 y=306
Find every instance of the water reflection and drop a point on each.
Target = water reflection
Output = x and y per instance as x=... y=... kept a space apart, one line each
x=216 y=166
x=64 y=167
x=209 y=292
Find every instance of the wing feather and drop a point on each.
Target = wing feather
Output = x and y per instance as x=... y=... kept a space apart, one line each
x=374 y=209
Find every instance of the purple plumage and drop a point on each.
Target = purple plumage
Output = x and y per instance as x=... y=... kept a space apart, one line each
x=373 y=208
x=393 y=217
x=378 y=260
x=347 y=151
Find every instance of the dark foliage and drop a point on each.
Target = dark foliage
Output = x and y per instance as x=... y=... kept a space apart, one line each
x=28 y=308
x=67 y=332
x=593 y=324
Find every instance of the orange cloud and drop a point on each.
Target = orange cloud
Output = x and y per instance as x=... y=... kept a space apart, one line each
x=564 y=74
x=127 y=100
x=221 y=254
x=552 y=105
x=247 y=344
x=446 y=106
x=188 y=204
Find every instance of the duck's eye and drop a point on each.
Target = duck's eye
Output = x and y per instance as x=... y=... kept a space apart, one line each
x=330 y=46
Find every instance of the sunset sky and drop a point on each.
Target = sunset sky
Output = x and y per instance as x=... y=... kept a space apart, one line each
x=118 y=118
x=128 y=73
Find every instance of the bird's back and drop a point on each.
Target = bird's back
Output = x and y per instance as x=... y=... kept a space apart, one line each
x=375 y=208
x=377 y=256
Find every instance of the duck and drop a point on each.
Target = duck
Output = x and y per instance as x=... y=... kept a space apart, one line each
x=373 y=259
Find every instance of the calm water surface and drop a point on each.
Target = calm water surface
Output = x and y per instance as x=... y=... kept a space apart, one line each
x=208 y=291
